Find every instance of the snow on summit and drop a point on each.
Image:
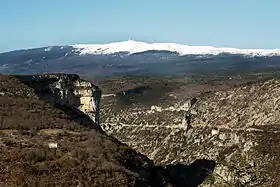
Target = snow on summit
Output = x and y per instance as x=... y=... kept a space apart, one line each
x=132 y=47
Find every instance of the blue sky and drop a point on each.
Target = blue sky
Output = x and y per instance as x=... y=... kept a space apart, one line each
x=221 y=23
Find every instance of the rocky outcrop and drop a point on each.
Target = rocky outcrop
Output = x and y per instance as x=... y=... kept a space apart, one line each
x=237 y=127
x=66 y=89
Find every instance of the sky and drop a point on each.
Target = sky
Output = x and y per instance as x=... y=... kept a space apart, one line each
x=219 y=23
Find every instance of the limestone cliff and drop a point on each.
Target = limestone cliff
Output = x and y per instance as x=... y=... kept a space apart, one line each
x=66 y=89
x=237 y=127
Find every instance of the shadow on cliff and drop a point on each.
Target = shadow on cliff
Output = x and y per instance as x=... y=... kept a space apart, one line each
x=180 y=175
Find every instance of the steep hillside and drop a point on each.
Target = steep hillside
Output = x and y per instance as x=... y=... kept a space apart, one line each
x=236 y=126
x=44 y=143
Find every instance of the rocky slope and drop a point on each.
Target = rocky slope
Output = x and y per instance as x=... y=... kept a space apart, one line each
x=236 y=127
x=46 y=139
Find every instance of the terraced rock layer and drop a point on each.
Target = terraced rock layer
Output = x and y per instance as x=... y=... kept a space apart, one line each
x=237 y=127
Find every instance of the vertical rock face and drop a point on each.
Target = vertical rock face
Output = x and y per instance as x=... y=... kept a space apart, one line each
x=67 y=89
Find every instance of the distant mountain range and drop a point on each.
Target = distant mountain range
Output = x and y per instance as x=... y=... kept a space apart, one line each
x=136 y=58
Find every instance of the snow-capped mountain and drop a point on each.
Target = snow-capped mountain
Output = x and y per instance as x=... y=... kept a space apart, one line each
x=132 y=47
x=136 y=58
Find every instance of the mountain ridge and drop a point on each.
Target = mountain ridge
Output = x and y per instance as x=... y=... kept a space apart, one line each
x=67 y=59
x=132 y=47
